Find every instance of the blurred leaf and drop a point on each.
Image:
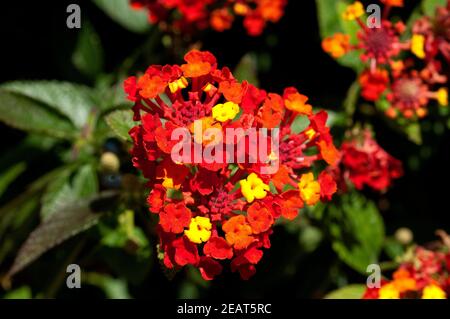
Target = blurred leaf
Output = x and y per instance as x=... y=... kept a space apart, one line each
x=188 y=290
x=25 y=114
x=429 y=6
x=121 y=12
x=247 y=69
x=113 y=288
x=126 y=248
x=10 y=175
x=88 y=54
x=414 y=133
x=85 y=182
x=331 y=22
x=61 y=190
x=121 y=122
x=111 y=96
x=357 y=231
x=300 y=124
x=351 y=100
x=69 y=221
x=23 y=292
x=393 y=248
x=349 y=292
x=70 y=100
x=310 y=238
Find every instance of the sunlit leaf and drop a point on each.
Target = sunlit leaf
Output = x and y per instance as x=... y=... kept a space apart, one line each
x=348 y=292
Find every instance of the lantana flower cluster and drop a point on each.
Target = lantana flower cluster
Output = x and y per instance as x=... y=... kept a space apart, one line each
x=364 y=163
x=212 y=212
x=187 y=16
x=424 y=276
x=406 y=72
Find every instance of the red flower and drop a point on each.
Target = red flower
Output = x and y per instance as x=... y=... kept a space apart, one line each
x=373 y=84
x=174 y=218
x=218 y=248
x=259 y=218
x=328 y=186
x=365 y=163
x=209 y=268
x=186 y=252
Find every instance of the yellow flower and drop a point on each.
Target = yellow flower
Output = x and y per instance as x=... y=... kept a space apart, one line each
x=179 y=84
x=309 y=189
x=310 y=133
x=433 y=292
x=199 y=230
x=442 y=96
x=225 y=112
x=253 y=187
x=389 y=291
x=353 y=11
x=418 y=45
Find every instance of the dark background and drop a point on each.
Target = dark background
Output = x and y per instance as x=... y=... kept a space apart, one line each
x=36 y=44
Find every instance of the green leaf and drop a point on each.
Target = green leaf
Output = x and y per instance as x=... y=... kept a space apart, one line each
x=121 y=122
x=121 y=12
x=110 y=97
x=62 y=190
x=72 y=219
x=70 y=100
x=299 y=124
x=351 y=100
x=331 y=22
x=357 y=231
x=113 y=288
x=6 y=178
x=414 y=133
x=88 y=54
x=429 y=6
x=28 y=115
x=348 y=292
x=23 y=292
x=247 y=69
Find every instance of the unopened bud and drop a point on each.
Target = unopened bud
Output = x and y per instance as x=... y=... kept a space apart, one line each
x=109 y=162
x=404 y=235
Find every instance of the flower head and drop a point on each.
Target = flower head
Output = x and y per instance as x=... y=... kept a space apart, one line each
x=213 y=202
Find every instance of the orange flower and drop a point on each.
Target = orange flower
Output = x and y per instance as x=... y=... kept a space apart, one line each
x=198 y=63
x=271 y=114
x=272 y=10
x=259 y=217
x=393 y=3
x=291 y=204
x=151 y=86
x=221 y=19
x=403 y=281
x=337 y=45
x=233 y=91
x=329 y=152
x=238 y=232
x=296 y=102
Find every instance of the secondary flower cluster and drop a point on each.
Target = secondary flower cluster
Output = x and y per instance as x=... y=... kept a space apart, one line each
x=213 y=211
x=406 y=73
x=364 y=163
x=425 y=276
x=186 y=16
